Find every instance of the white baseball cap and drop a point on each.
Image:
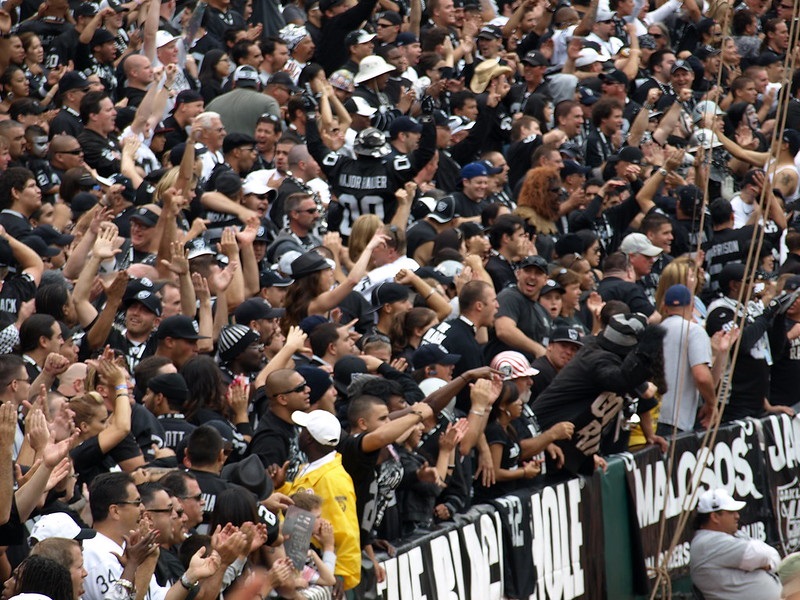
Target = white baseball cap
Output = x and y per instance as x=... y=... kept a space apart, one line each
x=718 y=499
x=164 y=37
x=322 y=425
x=59 y=525
x=638 y=243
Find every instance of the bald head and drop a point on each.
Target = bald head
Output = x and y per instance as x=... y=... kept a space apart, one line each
x=62 y=143
x=71 y=381
x=278 y=381
x=138 y=71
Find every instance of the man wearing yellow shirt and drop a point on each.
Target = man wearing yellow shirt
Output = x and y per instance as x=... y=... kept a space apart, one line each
x=326 y=477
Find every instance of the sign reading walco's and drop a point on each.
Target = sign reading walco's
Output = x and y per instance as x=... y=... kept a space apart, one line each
x=735 y=462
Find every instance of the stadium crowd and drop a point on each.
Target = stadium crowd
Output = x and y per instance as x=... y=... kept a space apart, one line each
x=376 y=260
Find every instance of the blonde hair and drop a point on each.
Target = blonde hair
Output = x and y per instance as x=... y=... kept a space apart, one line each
x=676 y=272
x=85 y=407
x=167 y=181
x=364 y=228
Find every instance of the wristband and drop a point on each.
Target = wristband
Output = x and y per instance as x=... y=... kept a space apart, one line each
x=480 y=414
x=122 y=387
x=419 y=414
x=431 y=293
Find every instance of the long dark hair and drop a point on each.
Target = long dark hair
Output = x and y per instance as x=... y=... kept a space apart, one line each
x=208 y=71
x=298 y=297
x=509 y=394
x=206 y=387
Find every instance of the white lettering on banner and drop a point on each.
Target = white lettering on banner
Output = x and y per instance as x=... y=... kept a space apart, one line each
x=557 y=541
x=756 y=530
x=513 y=505
x=383 y=588
x=726 y=467
x=785 y=452
x=411 y=568
x=443 y=574
x=679 y=557
x=484 y=552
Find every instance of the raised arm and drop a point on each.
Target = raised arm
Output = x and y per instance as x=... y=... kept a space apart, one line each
x=332 y=298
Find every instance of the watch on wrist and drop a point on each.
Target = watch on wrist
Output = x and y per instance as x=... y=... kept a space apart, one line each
x=187 y=584
x=662 y=171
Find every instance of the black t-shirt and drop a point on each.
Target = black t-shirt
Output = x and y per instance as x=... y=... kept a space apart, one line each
x=47 y=29
x=100 y=153
x=218 y=22
x=210 y=487
x=726 y=246
x=468 y=208
x=750 y=381
x=175 y=428
x=15 y=290
x=275 y=442
x=361 y=467
x=90 y=461
x=134 y=96
x=785 y=372
x=62 y=50
x=147 y=431
x=530 y=317
x=501 y=271
x=66 y=122
x=458 y=337
x=15 y=224
x=614 y=288
x=496 y=434
x=176 y=136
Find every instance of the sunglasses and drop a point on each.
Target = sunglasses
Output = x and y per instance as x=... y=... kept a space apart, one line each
x=76 y=152
x=383 y=25
x=302 y=386
x=657 y=36
x=160 y=510
x=198 y=497
x=310 y=211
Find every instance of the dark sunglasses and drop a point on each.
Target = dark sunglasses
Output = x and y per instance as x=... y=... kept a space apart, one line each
x=310 y=211
x=300 y=387
x=77 y=152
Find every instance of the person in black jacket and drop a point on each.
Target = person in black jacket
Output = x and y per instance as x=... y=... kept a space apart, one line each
x=338 y=21
x=592 y=390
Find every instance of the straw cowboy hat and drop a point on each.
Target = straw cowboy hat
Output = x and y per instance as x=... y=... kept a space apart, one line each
x=485 y=72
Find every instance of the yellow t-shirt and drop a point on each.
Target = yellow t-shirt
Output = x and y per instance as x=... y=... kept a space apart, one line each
x=334 y=485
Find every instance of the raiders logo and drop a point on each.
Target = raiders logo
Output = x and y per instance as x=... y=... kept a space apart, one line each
x=143 y=295
x=342 y=502
x=506 y=370
x=788 y=515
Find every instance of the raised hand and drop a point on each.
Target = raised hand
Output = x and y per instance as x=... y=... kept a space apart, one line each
x=179 y=259
x=104 y=244
x=55 y=364
x=202 y=566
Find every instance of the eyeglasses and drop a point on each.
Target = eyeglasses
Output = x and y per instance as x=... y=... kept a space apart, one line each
x=256 y=347
x=607 y=21
x=657 y=36
x=76 y=152
x=310 y=211
x=198 y=497
x=136 y=502
x=300 y=387
x=161 y=510
x=269 y=117
x=384 y=25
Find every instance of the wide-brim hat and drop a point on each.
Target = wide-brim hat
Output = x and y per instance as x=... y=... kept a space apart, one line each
x=372 y=67
x=485 y=72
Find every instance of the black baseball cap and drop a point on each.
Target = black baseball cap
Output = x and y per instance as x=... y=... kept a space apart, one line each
x=271 y=278
x=179 y=327
x=145 y=216
x=253 y=309
x=433 y=354
x=147 y=299
x=534 y=261
x=73 y=80
x=52 y=236
x=388 y=292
